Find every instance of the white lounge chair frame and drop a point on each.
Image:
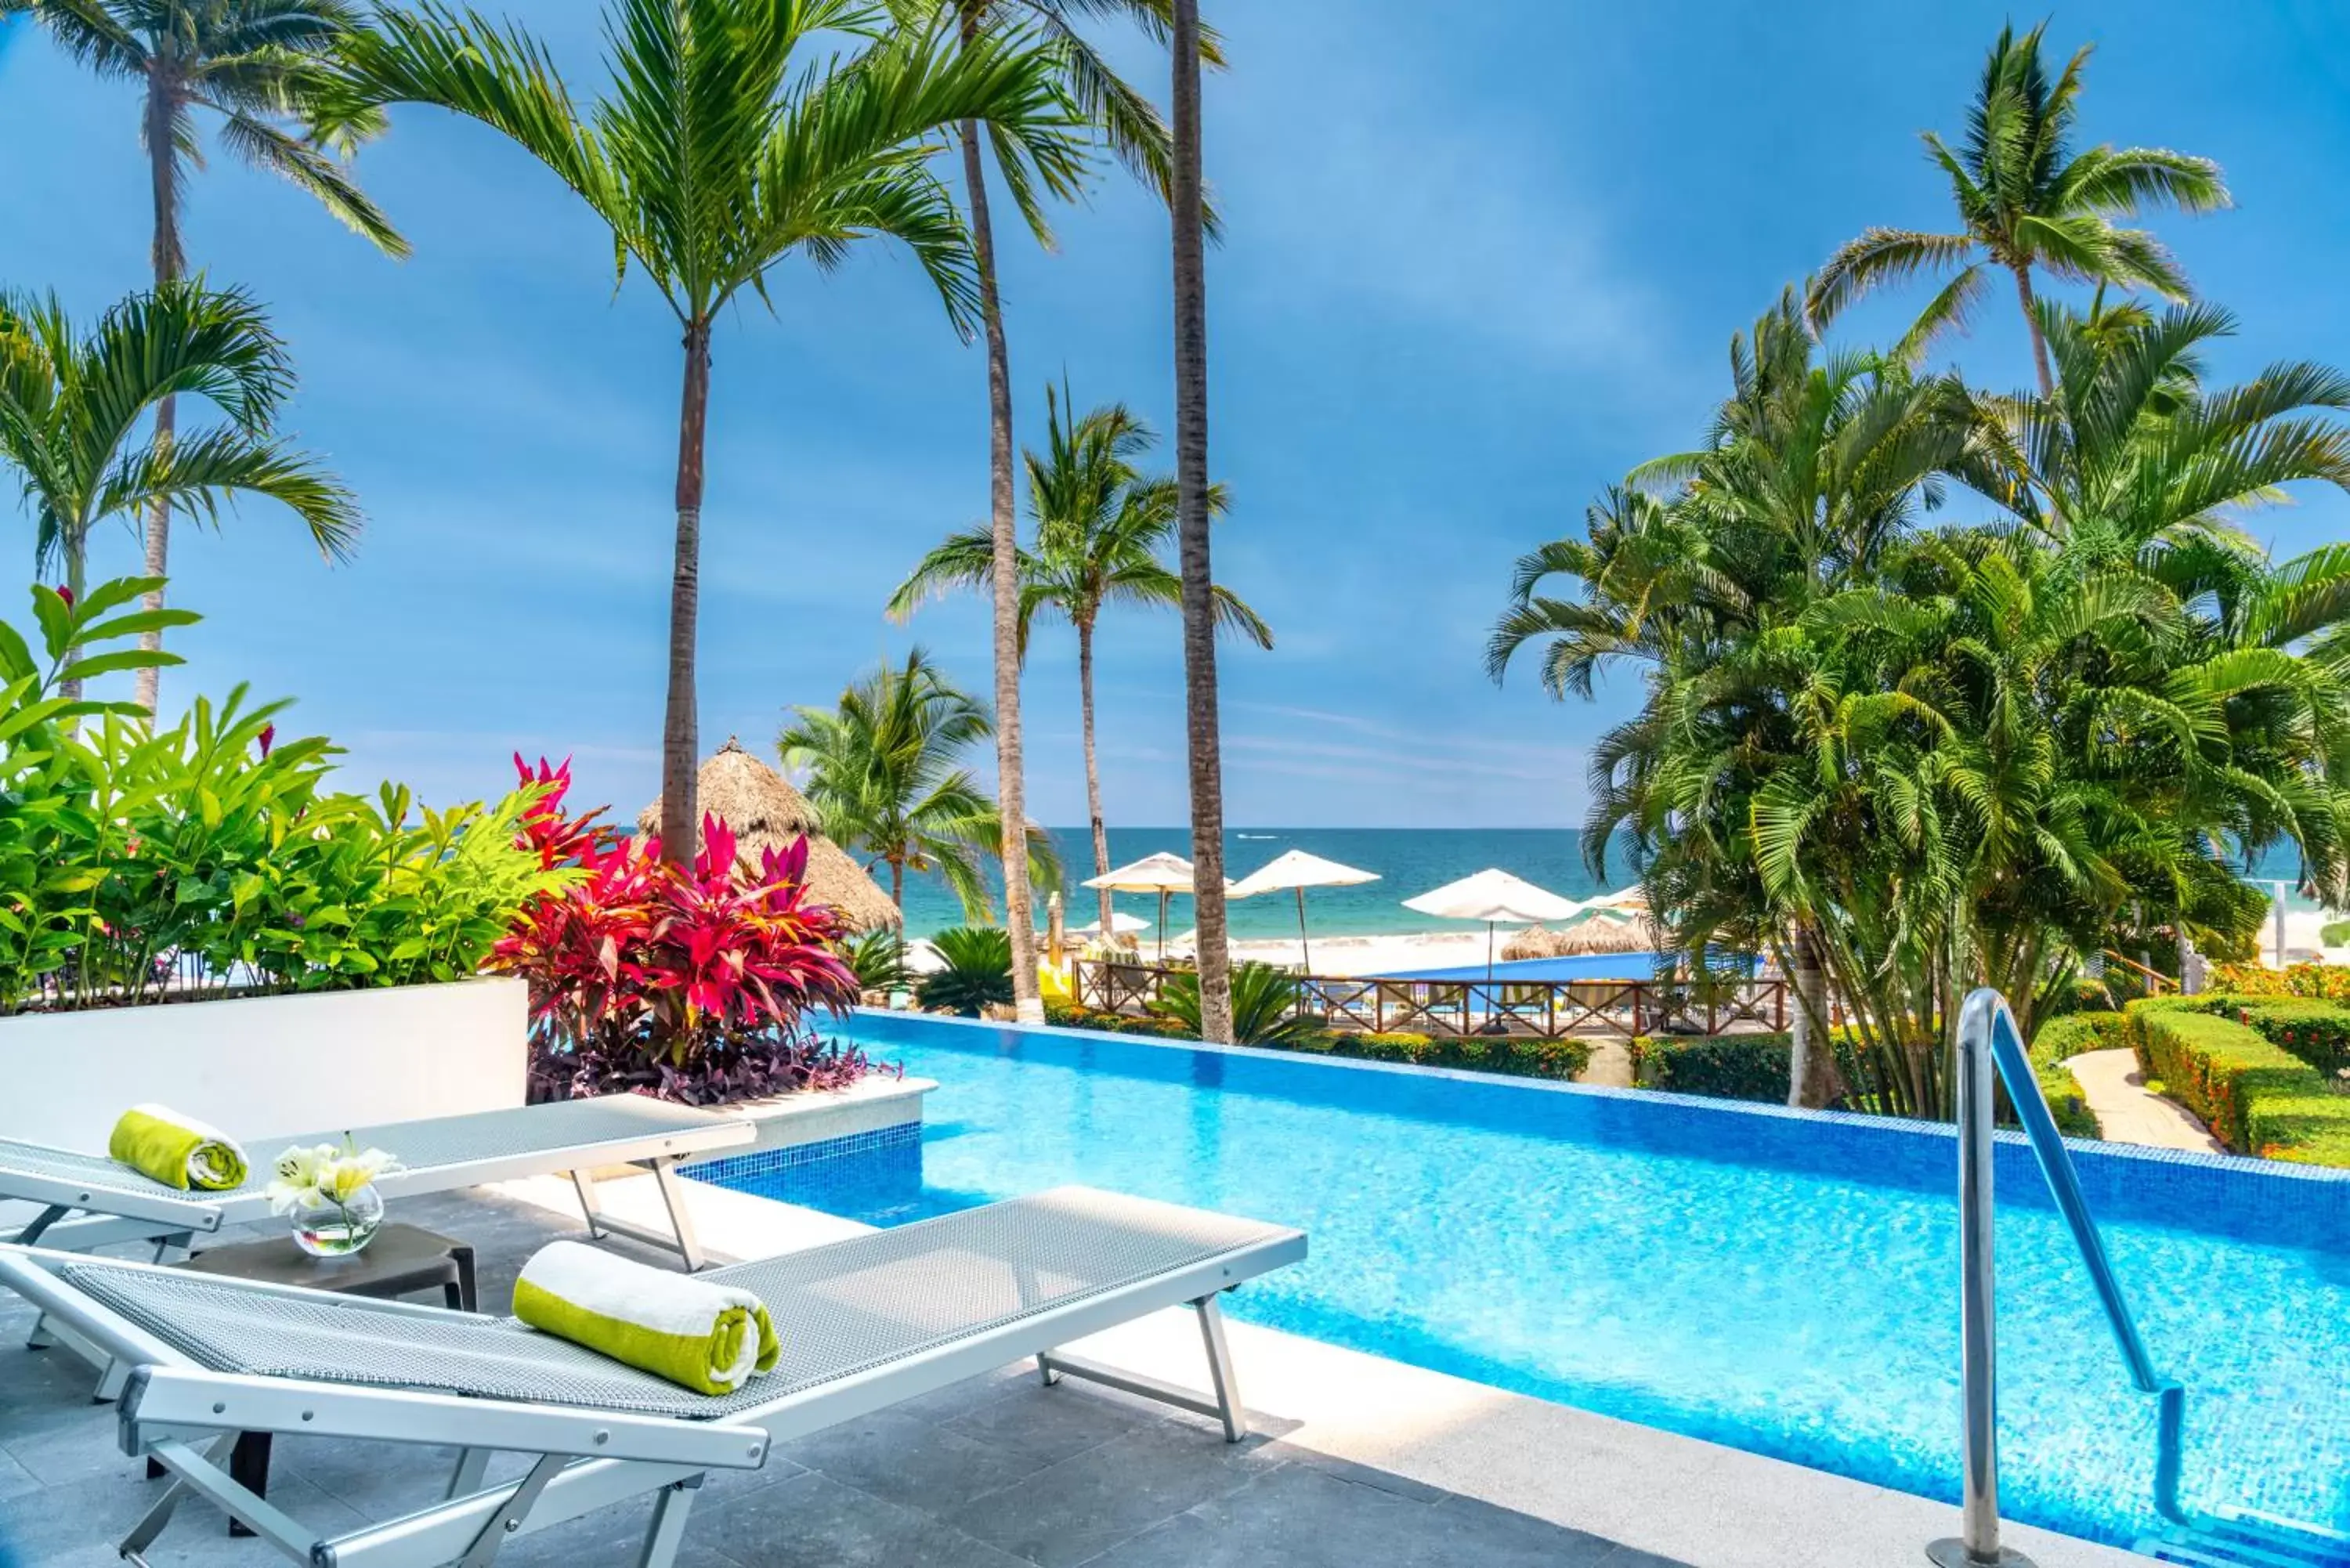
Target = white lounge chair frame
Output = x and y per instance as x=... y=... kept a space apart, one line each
x=574 y=1136
x=187 y=1418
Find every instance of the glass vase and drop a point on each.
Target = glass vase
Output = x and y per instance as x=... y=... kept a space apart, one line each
x=330 y=1230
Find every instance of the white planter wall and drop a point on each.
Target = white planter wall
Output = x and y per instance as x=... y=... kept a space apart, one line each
x=259 y=1068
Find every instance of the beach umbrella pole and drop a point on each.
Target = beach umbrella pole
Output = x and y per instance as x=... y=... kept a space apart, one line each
x=1305 y=949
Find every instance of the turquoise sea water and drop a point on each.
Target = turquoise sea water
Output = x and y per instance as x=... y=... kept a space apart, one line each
x=1410 y=861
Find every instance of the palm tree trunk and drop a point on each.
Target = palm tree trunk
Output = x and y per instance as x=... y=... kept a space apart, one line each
x=73 y=545
x=680 y=738
x=2032 y=321
x=163 y=168
x=1011 y=792
x=1813 y=1078
x=1191 y=530
x=1093 y=764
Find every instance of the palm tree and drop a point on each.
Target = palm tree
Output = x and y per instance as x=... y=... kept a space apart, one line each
x=1133 y=131
x=1205 y=747
x=1708 y=569
x=885 y=771
x=252 y=64
x=71 y=407
x=2026 y=200
x=1101 y=528
x=713 y=160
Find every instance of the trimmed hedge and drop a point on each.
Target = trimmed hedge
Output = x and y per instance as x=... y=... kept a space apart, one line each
x=2316 y=1032
x=1724 y=1067
x=2256 y=1098
x=1504 y=1054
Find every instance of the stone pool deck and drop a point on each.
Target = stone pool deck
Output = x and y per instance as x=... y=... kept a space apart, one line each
x=1356 y=1460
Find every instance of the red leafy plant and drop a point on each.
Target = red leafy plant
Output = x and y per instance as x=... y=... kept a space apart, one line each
x=692 y=983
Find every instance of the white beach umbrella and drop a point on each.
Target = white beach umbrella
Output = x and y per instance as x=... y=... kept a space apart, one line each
x=1296 y=870
x=1496 y=897
x=1120 y=923
x=1162 y=874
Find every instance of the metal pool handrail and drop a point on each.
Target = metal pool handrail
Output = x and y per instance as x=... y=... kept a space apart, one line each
x=1990 y=1051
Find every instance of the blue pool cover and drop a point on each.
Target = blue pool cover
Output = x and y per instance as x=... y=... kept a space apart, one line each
x=1780 y=1282
x=1584 y=966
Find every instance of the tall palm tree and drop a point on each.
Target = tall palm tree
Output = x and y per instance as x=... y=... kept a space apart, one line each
x=1131 y=128
x=1205 y=743
x=713 y=160
x=885 y=770
x=1101 y=528
x=1708 y=569
x=2025 y=200
x=72 y=406
x=253 y=64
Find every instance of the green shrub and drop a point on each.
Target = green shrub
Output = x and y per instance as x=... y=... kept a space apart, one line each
x=878 y=958
x=211 y=855
x=2318 y=1032
x=1725 y=1067
x=1265 y=1005
x=977 y=972
x=2334 y=934
x=2256 y=1098
x=2071 y=1035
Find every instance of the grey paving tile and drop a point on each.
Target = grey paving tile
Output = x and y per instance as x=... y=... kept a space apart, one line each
x=1303 y=1518
x=1082 y=1507
x=813 y=1521
x=60 y=1519
x=961 y=1398
x=1045 y=1426
x=608 y=1538
x=910 y=1460
x=15 y=1477
x=1626 y=1557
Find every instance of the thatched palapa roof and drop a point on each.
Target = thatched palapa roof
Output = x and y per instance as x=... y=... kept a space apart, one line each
x=766 y=812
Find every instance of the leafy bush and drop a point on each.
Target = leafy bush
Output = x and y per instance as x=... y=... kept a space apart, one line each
x=1727 y=1066
x=2318 y=1032
x=2070 y=1034
x=686 y=983
x=1265 y=1005
x=2256 y=1098
x=877 y=958
x=141 y=866
x=977 y=972
x=2334 y=934
x=2316 y=981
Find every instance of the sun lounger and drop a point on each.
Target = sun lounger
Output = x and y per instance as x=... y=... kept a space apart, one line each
x=866 y=1324
x=436 y=1155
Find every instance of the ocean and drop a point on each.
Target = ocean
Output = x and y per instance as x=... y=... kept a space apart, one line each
x=1410 y=861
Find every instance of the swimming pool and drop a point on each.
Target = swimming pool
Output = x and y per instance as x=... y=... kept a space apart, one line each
x=1778 y=1282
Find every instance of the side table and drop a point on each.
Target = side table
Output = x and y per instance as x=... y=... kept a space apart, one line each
x=401 y=1259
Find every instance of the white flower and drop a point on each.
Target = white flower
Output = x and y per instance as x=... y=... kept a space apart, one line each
x=304 y=1178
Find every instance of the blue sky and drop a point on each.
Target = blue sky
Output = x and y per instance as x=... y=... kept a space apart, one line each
x=1480 y=261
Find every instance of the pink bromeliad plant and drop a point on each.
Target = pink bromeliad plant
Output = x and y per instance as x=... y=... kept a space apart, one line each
x=688 y=982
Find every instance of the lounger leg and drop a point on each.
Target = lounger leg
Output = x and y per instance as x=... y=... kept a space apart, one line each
x=1219 y=1369
x=472 y=1468
x=668 y=1526
x=110 y=1382
x=689 y=1245
x=40 y=1338
x=583 y=1182
x=31 y=1234
x=508 y=1519
x=142 y=1535
x=1225 y=1407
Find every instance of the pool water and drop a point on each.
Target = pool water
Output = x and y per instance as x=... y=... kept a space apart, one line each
x=1780 y=1282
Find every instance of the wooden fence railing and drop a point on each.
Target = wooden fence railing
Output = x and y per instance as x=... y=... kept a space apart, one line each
x=1545 y=1009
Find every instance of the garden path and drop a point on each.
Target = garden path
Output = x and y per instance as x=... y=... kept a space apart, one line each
x=2129 y=1112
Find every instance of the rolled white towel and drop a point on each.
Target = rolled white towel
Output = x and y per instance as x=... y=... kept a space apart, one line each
x=708 y=1337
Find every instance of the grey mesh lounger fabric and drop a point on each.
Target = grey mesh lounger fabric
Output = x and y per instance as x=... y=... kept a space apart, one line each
x=437 y=1154
x=865 y=1323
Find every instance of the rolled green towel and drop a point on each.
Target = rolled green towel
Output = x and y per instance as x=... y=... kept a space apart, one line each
x=176 y=1150
x=704 y=1335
